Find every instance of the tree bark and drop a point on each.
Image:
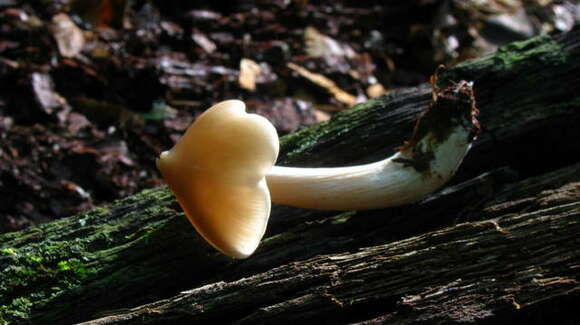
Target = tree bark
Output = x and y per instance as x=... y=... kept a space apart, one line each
x=499 y=244
x=468 y=272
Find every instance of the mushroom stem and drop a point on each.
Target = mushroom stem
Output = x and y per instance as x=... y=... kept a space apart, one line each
x=441 y=139
x=390 y=182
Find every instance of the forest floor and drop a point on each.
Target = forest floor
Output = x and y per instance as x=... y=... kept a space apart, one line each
x=92 y=91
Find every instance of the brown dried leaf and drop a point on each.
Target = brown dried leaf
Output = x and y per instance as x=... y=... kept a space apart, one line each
x=77 y=122
x=46 y=96
x=249 y=71
x=203 y=41
x=320 y=80
x=376 y=90
x=321 y=116
x=68 y=36
x=319 y=45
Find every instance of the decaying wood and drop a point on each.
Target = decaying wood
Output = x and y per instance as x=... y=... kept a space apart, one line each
x=468 y=272
x=499 y=244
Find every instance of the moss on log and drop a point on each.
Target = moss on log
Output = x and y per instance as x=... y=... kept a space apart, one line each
x=142 y=249
x=468 y=272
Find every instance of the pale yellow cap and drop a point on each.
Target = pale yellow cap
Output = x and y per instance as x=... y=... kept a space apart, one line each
x=217 y=172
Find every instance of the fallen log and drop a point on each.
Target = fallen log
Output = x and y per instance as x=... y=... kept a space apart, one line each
x=491 y=269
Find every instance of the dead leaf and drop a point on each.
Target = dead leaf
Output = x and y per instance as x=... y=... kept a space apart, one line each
x=77 y=122
x=46 y=96
x=320 y=80
x=319 y=45
x=249 y=71
x=68 y=36
x=376 y=90
x=321 y=116
x=116 y=151
x=76 y=189
x=203 y=41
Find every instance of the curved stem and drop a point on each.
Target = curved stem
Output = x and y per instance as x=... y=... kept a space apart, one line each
x=400 y=179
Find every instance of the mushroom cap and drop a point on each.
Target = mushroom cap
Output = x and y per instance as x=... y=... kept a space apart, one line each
x=217 y=173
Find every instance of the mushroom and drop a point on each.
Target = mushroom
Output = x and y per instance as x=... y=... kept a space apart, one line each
x=217 y=173
x=222 y=170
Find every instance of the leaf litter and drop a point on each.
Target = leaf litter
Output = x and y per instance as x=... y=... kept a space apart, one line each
x=92 y=91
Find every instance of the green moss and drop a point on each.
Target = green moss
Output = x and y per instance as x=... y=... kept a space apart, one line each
x=37 y=271
x=542 y=47
x=98 y=211
x=7 y=251
x=298 y=143
x=18 y=308
x=76 y=267
x=35 y=259
x=538 y=49
x=159 y=194
x=31 y=275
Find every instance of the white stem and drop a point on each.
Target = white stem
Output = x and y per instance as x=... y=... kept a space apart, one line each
x=382 y=184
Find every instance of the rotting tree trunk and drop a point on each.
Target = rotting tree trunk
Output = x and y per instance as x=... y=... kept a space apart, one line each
x=499 y=244
x=468 y=272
